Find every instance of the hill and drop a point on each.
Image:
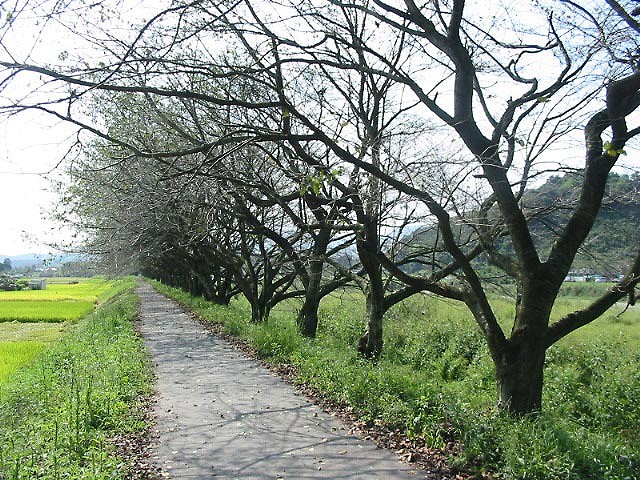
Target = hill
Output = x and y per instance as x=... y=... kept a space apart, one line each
x=615 y=237
x=609 y=248
x=39 y=260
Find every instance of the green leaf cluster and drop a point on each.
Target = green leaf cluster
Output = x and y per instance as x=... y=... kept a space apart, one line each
x=315 y=183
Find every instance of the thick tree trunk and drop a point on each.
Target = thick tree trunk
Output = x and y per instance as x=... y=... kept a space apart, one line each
x=370 y=344
x=519 y=376
x=519 y=361
x=259 y=312
x=203 y=286
x=224 y=289
x=308 y=316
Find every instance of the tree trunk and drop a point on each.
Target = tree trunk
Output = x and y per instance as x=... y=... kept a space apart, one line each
x=224 y=289
x=308 y=315
x=203 y=286
x=519 y=360
x=519 y=376
x=259 y=311
x=370 y=344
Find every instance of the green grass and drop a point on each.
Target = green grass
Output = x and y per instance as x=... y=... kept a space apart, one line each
x=436 y=380
x=21 y=343
x=57 y=412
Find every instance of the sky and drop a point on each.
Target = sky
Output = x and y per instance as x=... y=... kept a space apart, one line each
x=30 y=146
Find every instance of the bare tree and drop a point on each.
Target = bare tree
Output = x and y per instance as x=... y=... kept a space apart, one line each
x=343 y=78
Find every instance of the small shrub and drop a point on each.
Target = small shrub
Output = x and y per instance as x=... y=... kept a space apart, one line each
x=9 y=284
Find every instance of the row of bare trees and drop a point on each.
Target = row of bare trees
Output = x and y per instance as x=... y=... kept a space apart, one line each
x=286 y=149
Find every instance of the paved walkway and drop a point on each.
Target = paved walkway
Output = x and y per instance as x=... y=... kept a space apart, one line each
x=223 y=416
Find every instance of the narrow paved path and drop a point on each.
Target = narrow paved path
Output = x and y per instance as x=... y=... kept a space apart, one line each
x=223 y=416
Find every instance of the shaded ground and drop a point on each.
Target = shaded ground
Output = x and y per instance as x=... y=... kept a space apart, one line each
x=221 y=415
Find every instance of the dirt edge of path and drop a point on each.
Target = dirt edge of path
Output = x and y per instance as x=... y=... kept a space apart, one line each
x=136 y=447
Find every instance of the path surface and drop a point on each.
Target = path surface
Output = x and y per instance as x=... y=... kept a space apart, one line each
x=223 y=416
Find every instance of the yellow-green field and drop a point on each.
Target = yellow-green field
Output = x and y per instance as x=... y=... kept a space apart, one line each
x=20 y=343
x=43 y=311
x=87 y=290
x=30 y=320
x=58 y=302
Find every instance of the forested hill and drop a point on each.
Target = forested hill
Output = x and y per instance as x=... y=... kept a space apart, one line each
x=610 y=247
x=616 y=234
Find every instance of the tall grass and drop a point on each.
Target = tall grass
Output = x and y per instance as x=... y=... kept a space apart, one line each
x=56 y=413
x=436 y=380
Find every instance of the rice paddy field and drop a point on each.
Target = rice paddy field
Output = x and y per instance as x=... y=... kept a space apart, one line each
x=19 y=346
x=59 y=302
x=32 y=320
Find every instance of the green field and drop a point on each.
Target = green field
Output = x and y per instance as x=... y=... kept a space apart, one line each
x=30 y=320
x=58 y=411
x=87 y=290
x=44 y=311
x=59 y=302
x=20 y=343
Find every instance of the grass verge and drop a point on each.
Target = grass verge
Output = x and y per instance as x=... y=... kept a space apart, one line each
x=57 y=413
x=435 y=381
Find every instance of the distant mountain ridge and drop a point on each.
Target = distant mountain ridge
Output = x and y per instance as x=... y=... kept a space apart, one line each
x=40 y=260
x=615 y=237
x=609 y=248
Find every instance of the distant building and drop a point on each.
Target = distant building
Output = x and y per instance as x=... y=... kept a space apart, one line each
x=575 y=277
x=590 y=277
x=40 y=284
